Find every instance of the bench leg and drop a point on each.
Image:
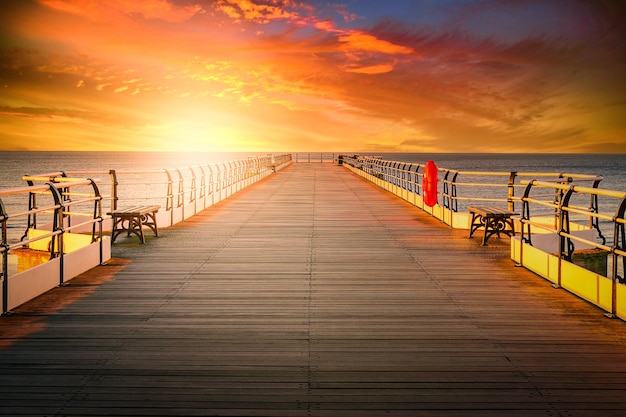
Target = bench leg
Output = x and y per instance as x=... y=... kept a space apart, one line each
x=116 y=230
x=491 y=228
x=149 y=220
x=139 y=225
x=497 y=225
x=129 y=224
x=476 y=223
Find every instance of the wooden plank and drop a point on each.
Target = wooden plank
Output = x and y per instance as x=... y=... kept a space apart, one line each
x=313 y=293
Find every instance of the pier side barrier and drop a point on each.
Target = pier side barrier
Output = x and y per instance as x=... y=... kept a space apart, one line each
x=64 y=232
x=570 y=234
x=52 y=250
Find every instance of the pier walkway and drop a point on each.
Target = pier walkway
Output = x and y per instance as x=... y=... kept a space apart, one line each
x=311 y=293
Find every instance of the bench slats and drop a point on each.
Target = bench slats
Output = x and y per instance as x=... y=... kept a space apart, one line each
x=135 y=211
x=490 y=211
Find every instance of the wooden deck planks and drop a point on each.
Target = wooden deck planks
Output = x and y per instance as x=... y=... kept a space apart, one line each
x=313 y=293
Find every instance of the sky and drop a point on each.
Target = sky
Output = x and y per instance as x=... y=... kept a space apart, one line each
x=527 y=76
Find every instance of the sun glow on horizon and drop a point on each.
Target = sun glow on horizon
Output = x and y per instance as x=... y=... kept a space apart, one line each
x=251 y=75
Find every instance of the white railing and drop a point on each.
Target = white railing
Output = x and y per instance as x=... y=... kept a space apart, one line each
x=181 y=192
x=60 y=214
x=56 y=211
x=313 y=157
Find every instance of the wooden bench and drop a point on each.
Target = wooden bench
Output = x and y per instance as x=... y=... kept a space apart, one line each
x=493 y=219
x=132 y=221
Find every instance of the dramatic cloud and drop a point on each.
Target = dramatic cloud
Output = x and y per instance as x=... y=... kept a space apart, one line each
x=288 y=75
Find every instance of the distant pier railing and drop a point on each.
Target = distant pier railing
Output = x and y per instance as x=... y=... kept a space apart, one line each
x=55 y=227
x=314 y=157
x=570 y=231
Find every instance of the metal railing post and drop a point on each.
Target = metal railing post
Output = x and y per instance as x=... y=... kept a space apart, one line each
x=97 y=210
x=169 y=199
x=511 y=191
x=619 y=243
x=525 y=220
x=4 y=246
x=57 y=226
x=114 y=191
x=566 y=246
x=202 y=186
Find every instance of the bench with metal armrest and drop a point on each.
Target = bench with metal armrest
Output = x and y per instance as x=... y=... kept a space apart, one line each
x=494 y=220
x=132 y=221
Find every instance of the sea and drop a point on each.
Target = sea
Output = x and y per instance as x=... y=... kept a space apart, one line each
x=15 y=164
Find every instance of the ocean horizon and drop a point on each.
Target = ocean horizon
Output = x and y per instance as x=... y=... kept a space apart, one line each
x=16 y=164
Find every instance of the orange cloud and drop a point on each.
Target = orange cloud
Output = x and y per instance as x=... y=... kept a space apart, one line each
x=356 y=40
x=148 y=9
x=371 y=70
x=255 y=12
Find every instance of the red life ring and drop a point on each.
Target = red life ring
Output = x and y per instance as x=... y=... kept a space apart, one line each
x=429 y=184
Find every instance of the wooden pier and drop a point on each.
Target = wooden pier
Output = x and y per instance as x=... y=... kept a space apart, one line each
x=311 y=293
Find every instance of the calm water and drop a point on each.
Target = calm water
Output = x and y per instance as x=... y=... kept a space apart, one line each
x=14 y=165
x=611 y=167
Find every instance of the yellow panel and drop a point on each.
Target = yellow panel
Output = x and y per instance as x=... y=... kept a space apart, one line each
x=580 y=281
x=446 y=215
x=553 y=268
x=71 y=241
x=605 y=289
x=536 y=260
x=461 y=220
x=43 y=244
x=621 y=301
x=438 y=212
x=515 y=249
x=411 y=198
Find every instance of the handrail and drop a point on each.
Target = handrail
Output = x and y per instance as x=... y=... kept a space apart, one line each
x=313 y=157
x=217 y=181
x=567 y=239
x=74 y=209
x=556 y=204
x=176 y=189
x=408 y=176
x=56 y=230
